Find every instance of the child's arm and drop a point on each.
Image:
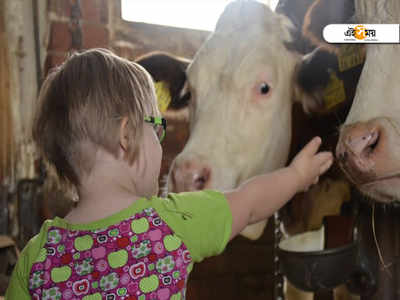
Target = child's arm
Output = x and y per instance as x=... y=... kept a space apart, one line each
x=259 y=197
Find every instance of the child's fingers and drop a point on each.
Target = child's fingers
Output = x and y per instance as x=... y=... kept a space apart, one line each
x=325 y=166
x=312 y=147
x=323 y=157
x=323 y=161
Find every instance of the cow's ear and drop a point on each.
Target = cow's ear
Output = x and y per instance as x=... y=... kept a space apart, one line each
x=169 y=74
x=325 y=12
x=312 y=76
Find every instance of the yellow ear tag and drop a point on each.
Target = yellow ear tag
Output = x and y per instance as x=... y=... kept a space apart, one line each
x=350 y=56
x=163 y=95
x=334 y=93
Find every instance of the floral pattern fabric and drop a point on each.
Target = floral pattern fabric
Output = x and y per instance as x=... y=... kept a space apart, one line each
x=139 y=258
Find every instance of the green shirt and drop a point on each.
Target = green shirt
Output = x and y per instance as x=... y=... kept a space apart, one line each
x=202 y=220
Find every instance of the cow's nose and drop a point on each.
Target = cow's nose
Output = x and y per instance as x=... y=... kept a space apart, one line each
x=357 y=145
x=189 y=176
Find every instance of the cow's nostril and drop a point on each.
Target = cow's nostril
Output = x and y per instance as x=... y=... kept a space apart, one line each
x=361 y=141
x=199 y=183
x=345 y=156
x=372 y=142
x=189 y=176
x=360 y=146
x=202 y=179
x=342 y=157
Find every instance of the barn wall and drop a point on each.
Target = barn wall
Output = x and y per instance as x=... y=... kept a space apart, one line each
x=134 y=39
x=101 y=25
x=6 y=141
x=75 y=25
x=18 y=92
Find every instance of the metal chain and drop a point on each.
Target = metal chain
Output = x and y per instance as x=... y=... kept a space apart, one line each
x=278 y=277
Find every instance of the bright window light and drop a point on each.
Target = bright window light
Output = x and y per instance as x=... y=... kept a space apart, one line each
x=193 y=14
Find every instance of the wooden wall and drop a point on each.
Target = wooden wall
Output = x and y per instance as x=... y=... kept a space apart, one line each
x=6 y=128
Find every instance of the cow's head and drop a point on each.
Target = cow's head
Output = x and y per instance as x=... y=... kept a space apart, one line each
x=369 y=144
x=240 y=106
x=242 y=83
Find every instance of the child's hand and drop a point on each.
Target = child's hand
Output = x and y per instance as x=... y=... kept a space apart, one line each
x=309 y=164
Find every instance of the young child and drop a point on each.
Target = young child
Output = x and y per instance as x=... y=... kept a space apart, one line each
x=98 y=124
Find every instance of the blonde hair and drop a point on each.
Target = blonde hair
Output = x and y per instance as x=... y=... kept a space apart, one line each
x=81 y=105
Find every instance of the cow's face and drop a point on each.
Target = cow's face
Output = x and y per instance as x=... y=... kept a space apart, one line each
x=241 y=84
x=369 y=146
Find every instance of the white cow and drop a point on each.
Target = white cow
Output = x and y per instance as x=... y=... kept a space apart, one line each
x=242 y=86
x=370 y=142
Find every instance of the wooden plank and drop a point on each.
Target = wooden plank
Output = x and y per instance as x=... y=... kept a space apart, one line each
x=6 y=136
x=6 y=241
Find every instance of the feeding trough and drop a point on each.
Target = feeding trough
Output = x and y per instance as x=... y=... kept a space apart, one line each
x=311 y=263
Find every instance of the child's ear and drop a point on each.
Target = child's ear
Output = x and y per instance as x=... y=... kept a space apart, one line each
x=123 y=134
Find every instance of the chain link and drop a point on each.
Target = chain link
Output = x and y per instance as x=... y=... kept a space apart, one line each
x=278 y=278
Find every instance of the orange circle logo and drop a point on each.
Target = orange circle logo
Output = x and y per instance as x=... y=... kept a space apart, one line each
x=359 y=32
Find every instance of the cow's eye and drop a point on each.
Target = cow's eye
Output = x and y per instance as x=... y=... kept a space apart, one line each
x=264 y=88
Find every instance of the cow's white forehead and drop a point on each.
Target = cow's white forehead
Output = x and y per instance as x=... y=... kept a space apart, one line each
x=254 y=17
x=243 y=27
